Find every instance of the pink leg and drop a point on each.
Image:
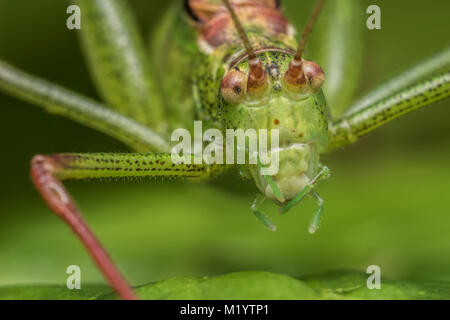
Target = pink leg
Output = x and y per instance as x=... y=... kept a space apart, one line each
x=43 y=174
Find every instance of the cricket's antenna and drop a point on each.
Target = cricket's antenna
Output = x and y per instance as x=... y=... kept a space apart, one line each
x=240 y=30
x=301 y=73
x=258 y=81
x=308 y=28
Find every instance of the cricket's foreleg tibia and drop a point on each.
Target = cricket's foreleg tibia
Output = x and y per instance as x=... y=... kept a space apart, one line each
x=360 y=121
x=47 y=172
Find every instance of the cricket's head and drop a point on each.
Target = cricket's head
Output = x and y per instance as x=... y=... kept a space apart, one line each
x=277 y=89
x=296 y=109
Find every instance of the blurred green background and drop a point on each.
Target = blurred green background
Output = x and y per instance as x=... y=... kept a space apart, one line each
x=386 y=203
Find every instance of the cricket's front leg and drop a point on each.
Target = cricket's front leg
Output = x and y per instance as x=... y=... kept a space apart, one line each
x=48 y=171
x=360 y=121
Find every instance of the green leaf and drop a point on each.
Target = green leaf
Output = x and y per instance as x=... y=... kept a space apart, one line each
x=254 y=285
x=353 y=285
x=51 y=292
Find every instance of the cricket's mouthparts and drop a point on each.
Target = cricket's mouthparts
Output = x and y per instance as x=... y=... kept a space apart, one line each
x=288 y=186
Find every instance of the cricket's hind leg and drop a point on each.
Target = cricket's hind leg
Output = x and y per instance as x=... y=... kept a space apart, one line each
x=48 y=171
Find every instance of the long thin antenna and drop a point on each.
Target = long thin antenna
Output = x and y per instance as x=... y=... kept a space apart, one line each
x=258 y=81
x=308 y=28
x=240 y=29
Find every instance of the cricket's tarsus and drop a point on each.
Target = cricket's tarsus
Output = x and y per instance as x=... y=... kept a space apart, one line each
x=257 y=202
x=315 y=223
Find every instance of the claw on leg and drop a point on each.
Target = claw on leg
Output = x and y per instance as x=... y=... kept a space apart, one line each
x=315 y=223
x=261 y=216
x=43 y=170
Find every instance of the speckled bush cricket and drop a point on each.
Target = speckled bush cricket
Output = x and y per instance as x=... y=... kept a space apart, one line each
x=253 y=78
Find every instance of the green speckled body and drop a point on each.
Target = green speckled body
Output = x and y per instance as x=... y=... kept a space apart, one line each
x=302 y=123
x=191 y=78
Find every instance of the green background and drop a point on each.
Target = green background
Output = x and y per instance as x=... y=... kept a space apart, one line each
x=386 y=203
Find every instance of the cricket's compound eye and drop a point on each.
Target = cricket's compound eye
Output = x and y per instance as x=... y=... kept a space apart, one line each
x=234 y=86
x=314 y=74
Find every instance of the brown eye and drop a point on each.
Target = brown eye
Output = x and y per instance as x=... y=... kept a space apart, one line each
x=234 y=86
x=314 y=74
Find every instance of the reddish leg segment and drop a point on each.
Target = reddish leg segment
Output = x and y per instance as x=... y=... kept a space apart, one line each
x=48 y=171
x=59 y=200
